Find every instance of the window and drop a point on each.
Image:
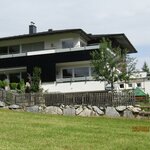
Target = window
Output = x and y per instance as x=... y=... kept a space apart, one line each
x=121 y=86
x=93 y=71
x=67 y=44
x=82 y=44
x=14 y=77
x=3 y=50
x=130 y=85
x=9 y=50
x=24 y=76
x=3 y=77
x=32 y=47
x=14 y=49
x=75 y=72
x=138 y=84
x=81 y=72
x=67 y=73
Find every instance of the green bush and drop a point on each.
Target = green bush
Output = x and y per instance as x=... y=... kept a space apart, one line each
x=3 y=84
x=21 y=86
x=35 y=86
x=13 y=86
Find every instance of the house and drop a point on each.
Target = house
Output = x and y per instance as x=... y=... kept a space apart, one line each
x=63 y=56
x=138 y=80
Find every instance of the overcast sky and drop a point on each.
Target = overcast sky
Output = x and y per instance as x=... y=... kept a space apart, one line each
x=131 y=17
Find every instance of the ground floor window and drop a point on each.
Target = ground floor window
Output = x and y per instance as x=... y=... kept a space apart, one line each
x=121 y=86
x=13 y=75
x=67 y=73
x=81 y=72
x=138 y=84
x=73 y=73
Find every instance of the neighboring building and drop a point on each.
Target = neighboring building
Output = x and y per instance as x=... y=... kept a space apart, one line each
x=140 y=80
x=63 y=55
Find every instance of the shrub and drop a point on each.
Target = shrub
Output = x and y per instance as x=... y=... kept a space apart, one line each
x=1 y=84
x=35 y=86
x=21 y=86
x=13 y=86
x=5 y=83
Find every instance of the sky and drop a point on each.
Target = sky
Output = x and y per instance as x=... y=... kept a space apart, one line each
x=131 y=17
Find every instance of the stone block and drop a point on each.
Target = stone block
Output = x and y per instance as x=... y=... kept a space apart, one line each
x=69 y=111
x=111 y=112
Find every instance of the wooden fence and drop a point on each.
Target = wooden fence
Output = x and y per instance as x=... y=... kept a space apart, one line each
x=104 y=98
x=91 y=98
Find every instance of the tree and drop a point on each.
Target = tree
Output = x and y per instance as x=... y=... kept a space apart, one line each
x=35 y=85
x=112 y=64
x=145 y=67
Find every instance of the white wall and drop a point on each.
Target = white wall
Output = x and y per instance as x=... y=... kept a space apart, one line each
x=74 y=86
x=47 y=39
x=147 y=86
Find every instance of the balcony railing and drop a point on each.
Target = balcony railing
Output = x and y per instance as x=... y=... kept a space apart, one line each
x=51 y=51
x=75 y=79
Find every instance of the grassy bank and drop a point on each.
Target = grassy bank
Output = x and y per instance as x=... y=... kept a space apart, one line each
x=28 y=131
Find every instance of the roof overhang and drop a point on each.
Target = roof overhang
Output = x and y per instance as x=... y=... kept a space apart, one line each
x=49 y=32
x=119 y=38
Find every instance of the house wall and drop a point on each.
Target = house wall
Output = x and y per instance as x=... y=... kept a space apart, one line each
x=67 y=87
x=48 y=40
x=147 y=86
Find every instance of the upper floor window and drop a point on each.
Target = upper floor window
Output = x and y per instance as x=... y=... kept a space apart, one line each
x=9 y=50
x=32 y=47
x=14 y=49
x=3 y=50
x=68 y=43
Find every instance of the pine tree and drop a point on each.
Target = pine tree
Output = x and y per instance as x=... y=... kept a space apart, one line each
x=145 y=67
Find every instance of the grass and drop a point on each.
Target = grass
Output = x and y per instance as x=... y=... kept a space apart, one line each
x=29 y=131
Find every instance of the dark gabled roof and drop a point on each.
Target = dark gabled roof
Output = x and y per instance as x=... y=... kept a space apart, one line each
x=49 y=32
x=119 y=38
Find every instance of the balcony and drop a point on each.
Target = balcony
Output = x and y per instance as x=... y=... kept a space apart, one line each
x=75 y=79
x=62 y=50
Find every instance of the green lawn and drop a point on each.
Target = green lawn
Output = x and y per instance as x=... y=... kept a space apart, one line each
x=29 y=131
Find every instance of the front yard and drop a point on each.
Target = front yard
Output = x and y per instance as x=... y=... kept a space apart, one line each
x=29 y=131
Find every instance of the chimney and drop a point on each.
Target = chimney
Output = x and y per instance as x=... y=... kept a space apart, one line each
x=32 y=28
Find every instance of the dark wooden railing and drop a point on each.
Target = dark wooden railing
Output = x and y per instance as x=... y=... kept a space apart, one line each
x=101 y=98
x=104 y=98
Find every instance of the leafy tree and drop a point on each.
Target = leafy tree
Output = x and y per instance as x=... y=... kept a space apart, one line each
x=145 y=67
x=35 y=85
x=112 y=64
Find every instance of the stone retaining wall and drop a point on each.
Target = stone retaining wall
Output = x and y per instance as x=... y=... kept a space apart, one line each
x=80 y=110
